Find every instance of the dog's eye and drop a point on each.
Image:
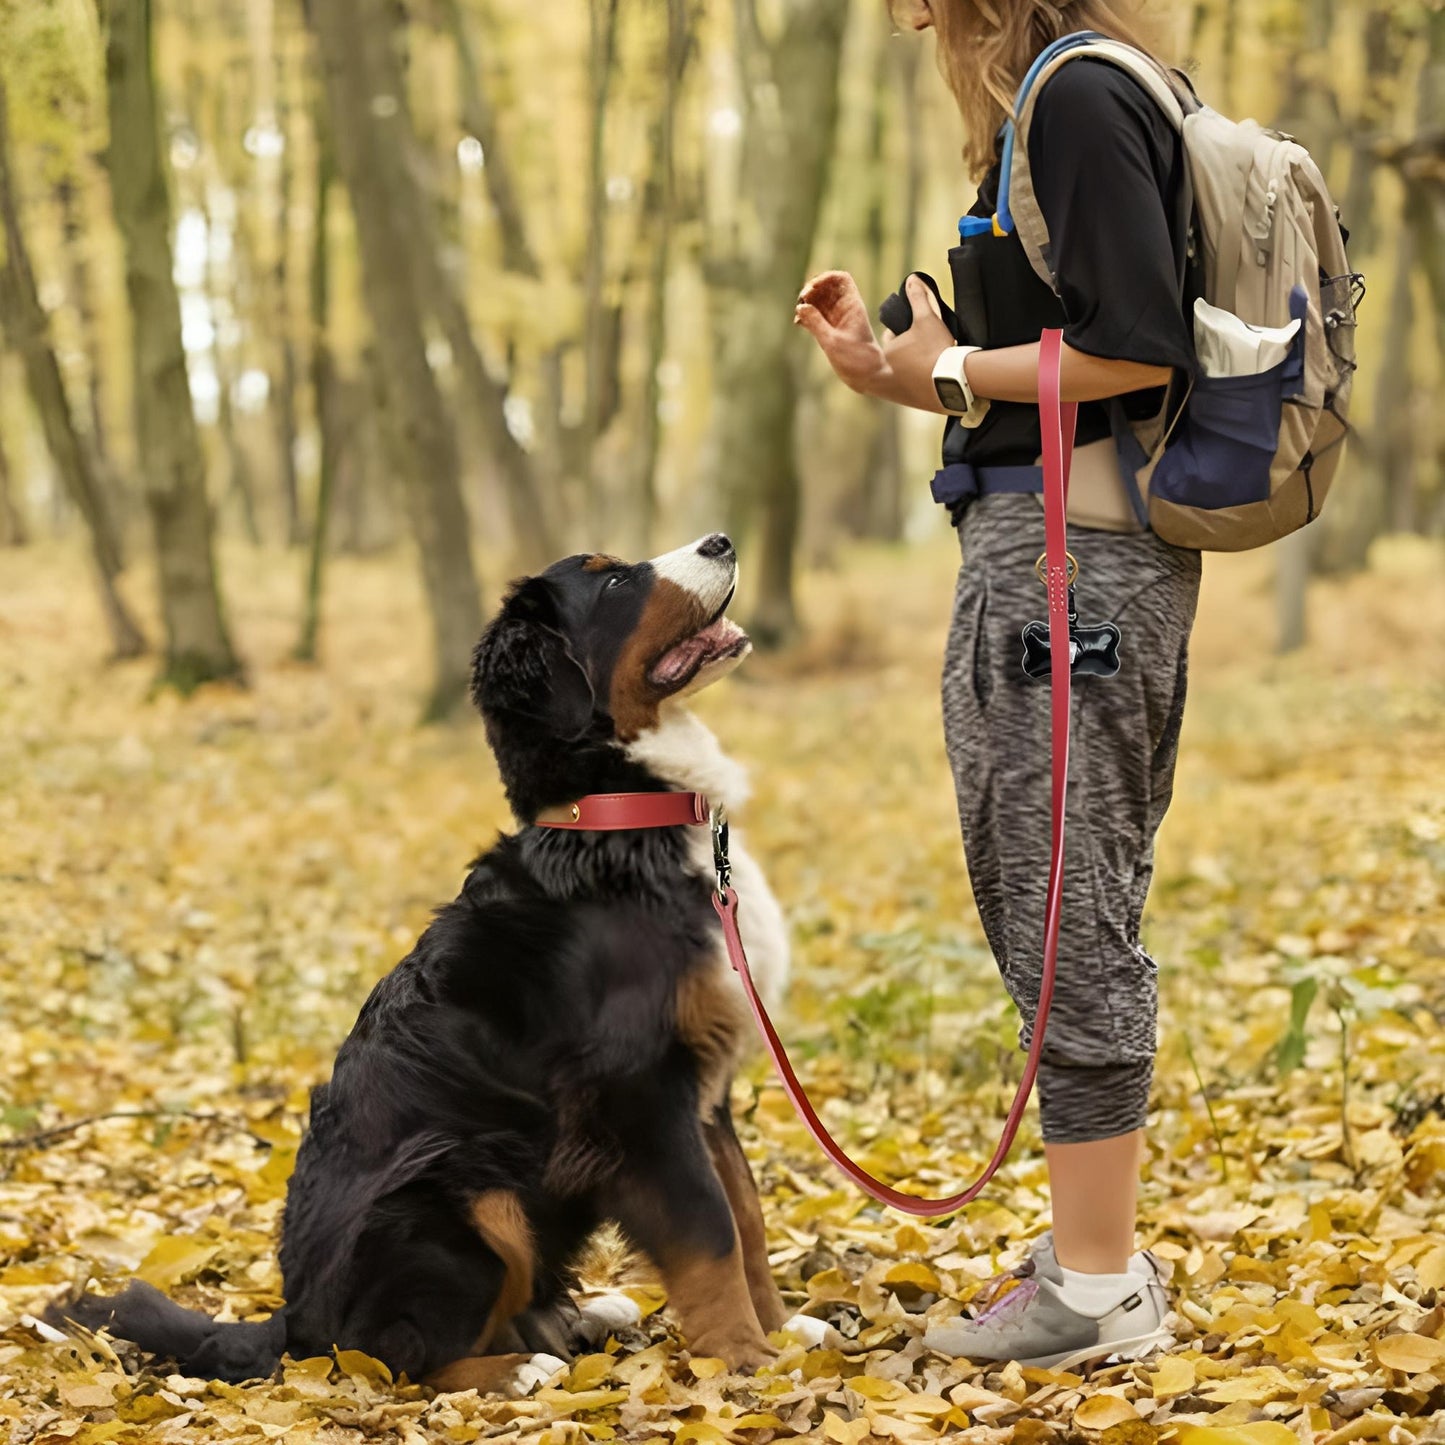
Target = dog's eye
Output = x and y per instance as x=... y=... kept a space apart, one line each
x=616 y=580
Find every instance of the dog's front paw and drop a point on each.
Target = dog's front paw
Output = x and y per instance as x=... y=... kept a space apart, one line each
x=741 y=1353
x=607 y=1314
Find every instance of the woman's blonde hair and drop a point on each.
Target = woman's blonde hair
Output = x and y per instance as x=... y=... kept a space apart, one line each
x=985 y=48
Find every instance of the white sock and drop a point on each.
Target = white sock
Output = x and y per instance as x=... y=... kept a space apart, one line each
x=1096 y=1294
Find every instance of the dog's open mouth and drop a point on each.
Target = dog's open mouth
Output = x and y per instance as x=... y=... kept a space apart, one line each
x=721 y=638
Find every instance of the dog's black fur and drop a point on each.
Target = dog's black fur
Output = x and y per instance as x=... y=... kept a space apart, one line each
x=531 y=1049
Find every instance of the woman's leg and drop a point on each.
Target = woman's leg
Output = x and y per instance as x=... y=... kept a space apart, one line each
x=1097 y=1063
x=1095 y=1190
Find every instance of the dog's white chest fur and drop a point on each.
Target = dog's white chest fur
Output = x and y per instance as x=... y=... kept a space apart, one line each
x=683 y=752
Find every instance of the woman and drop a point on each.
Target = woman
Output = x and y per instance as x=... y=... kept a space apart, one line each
x=1107 y=169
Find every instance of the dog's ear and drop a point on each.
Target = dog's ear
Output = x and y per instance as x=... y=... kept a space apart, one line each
x=524 y=666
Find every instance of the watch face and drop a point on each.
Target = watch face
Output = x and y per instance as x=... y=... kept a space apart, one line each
x=950 y=393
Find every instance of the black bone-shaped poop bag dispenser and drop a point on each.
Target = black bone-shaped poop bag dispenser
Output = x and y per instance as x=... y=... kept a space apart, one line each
x=1093 y=651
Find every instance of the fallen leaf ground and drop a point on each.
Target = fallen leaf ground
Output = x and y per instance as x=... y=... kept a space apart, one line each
x=195 y=897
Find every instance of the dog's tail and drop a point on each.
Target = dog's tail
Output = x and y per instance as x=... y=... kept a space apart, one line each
x=199 y=1345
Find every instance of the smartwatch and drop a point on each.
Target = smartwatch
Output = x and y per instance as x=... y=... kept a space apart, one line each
x=951 y=384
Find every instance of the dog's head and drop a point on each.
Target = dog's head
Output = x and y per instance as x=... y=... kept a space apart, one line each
x=593 y=647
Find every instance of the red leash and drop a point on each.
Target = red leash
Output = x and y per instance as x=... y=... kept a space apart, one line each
x=1058 y=424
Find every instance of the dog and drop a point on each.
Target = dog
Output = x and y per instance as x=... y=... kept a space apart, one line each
x=556 y=1051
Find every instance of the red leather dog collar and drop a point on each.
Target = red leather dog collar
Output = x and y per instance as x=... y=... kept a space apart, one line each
x=610 y=812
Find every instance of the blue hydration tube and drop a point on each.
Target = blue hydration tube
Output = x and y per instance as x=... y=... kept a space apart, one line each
x=1001 y=223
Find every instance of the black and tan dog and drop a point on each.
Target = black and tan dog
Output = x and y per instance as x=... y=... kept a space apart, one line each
x=556 y=1050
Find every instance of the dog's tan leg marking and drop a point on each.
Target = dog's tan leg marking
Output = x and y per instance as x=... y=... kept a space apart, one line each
x=710 y=1299
x=483 y=1373
x=742 y=1192
x=498 y=1217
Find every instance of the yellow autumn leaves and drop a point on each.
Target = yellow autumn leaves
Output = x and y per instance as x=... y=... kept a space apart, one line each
x=195 y=897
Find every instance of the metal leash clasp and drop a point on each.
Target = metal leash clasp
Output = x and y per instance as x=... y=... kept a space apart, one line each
x=718 y=822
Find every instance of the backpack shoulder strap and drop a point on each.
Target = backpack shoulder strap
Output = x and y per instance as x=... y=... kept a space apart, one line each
x=1018 y=206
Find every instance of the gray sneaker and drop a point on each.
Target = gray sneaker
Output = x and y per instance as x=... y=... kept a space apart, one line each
x=1032 y=1324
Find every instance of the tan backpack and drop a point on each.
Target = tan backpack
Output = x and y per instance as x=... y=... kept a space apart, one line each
x=1249 y=458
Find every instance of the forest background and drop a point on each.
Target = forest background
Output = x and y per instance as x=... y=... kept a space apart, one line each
x=321 y=324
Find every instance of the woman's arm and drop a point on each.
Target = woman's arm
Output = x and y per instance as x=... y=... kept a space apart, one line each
x=1012 y=374
x=900 y=369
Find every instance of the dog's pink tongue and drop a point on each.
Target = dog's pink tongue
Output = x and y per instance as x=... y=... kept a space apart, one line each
x=692 y=651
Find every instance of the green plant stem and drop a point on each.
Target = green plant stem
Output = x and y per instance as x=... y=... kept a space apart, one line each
x=1208 y=1108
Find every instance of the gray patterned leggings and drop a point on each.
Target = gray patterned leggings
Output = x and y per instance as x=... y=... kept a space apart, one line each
x=1098 y=1059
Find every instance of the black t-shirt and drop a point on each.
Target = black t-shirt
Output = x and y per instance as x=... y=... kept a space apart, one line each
x=1107 y=167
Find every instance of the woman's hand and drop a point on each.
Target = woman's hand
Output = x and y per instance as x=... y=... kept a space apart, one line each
x=901 y=368
x=832 y=308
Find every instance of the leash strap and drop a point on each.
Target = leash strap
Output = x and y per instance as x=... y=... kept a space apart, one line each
x=1057 y=423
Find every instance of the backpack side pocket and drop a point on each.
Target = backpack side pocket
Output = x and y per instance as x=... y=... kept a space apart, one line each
x=1224 y=448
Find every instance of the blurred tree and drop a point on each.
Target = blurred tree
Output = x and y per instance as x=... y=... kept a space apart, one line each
x=1422 y=164
x=483 y=397
x=224 y=290
x=323 y=388
x=601 y=319
x=756 y=265
x=1423 y=170
x=198 y=646
x=369 y=122
x=536 y=484
x=1384 y=59
x=659 y=203
x=13 y=532
x=892 y=199
x=479 y=119
x=286 y=379
x=24 y=323
x=77 y=241
x=1311 y=111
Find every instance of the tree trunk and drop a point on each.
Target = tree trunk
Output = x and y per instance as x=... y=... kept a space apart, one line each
x=600 y=328
x=368 y=120
x=1393 y=437
x=240 y=482
x=659 y=203
x=480 y=120
x=13 y=532
x=790 y=87
x=323 y=389
x=1311 y=111
x=1382 y=63
x=1425 y=175
x=1292 y=557
x=542 y=476
x=198 y=646
x=878 y=510
x=437 y=294
x=73 y=230
x=285 y=387
x=25 y=324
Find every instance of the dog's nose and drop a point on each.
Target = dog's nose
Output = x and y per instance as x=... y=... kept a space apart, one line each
x=717 y=545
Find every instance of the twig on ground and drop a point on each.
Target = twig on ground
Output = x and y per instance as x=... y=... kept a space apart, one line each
x=43 y=1138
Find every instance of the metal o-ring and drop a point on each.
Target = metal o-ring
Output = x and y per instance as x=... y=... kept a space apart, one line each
x=1041 y=568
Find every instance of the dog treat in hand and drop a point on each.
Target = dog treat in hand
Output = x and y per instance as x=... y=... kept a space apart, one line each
x=896 y=313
